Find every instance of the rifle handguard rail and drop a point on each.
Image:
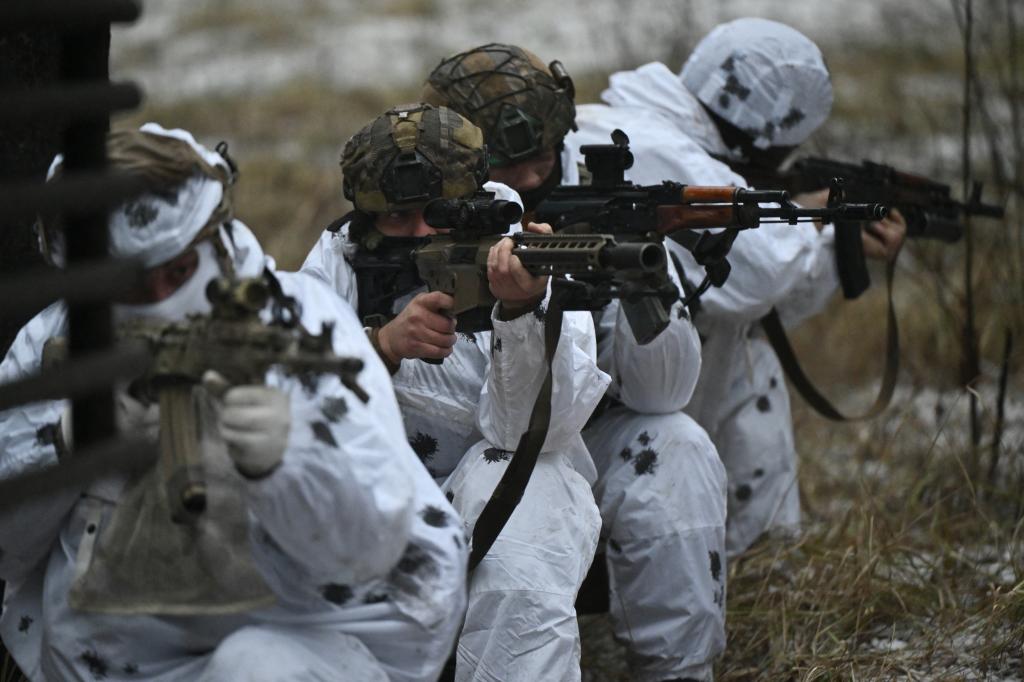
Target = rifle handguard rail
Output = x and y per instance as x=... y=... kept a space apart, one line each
x=585 y=253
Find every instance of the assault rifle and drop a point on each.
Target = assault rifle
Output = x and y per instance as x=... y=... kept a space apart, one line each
x=455 y=262
x=236 y=343
x=613 y=205
x=929 y=208
x=600 y=268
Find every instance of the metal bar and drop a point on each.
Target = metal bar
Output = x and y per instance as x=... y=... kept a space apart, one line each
x=87 y=100
x=29 y=292
x=73 y=193
x=85 y=57
x=78 y=377
x=125 y=455
x=19 y=15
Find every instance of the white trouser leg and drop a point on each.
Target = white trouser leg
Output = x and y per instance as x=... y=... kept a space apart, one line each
x=276 y=653
x=756 y=444
x=406 y=650
x=661 y=493
x=521 y=622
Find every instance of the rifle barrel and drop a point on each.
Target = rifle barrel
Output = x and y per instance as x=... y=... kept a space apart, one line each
x=987 y=210
x=840 y=212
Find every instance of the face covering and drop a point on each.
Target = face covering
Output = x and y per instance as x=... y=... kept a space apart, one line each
x=190 y=298
x=532 y=197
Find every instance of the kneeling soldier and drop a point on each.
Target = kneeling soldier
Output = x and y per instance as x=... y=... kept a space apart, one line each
x=466 y=415
x=324 y=552
x=661 y=486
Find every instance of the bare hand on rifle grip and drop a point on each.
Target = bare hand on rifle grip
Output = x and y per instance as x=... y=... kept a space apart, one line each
x=424 y=329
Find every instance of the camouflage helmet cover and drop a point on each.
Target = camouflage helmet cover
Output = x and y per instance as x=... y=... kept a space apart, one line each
x=523 y=106
x=411 y=154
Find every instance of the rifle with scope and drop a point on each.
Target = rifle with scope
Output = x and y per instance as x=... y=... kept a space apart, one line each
x=928 y=206
x=600 y=267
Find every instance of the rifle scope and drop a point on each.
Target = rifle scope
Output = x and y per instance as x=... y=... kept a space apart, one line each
x=480 y=213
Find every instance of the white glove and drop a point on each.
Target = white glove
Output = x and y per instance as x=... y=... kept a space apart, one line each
x=134 y=417
x=254 y=422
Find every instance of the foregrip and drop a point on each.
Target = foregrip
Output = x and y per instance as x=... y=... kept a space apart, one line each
x=180 y=463
x=850 y=261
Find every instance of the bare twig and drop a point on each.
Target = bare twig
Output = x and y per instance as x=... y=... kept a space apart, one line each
x=970 y=369
x=997 y=435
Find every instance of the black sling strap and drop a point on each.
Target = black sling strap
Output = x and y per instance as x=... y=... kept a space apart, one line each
x=780 y=343
x=510 y=488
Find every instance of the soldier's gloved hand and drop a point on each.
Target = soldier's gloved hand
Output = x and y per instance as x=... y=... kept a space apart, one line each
x=424 y=329
x=510 y=282
x=135 y=417
x=254 y=422
x=884 y=238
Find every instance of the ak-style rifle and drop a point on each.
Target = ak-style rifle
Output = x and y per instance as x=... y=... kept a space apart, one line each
x=928 y=206
x=613 y=205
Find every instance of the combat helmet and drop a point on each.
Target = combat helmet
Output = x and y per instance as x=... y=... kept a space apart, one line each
x=411 y=154
x=522 y=106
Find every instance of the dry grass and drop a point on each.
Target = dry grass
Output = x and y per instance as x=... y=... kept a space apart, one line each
x=287 y=143
x=8 y=671
x=264 y=23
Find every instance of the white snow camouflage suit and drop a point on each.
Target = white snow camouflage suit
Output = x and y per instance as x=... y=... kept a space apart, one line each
x=662 y=493
x=740 y=399
x=363 y=553
x=464 y=418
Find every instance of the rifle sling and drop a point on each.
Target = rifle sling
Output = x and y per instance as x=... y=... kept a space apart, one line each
x=510 y=488
x=787 y=357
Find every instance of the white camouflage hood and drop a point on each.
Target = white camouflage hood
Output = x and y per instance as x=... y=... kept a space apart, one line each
x=655 y=88
x=157 y=227
x=763 y=77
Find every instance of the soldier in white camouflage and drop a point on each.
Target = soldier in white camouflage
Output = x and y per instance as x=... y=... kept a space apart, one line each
x=660 y=485
x=465 y=416
x=357 y=560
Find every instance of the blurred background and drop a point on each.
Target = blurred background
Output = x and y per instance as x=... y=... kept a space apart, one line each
x=912 y=564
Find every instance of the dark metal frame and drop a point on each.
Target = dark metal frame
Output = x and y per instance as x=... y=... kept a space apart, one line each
x=82 y=103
